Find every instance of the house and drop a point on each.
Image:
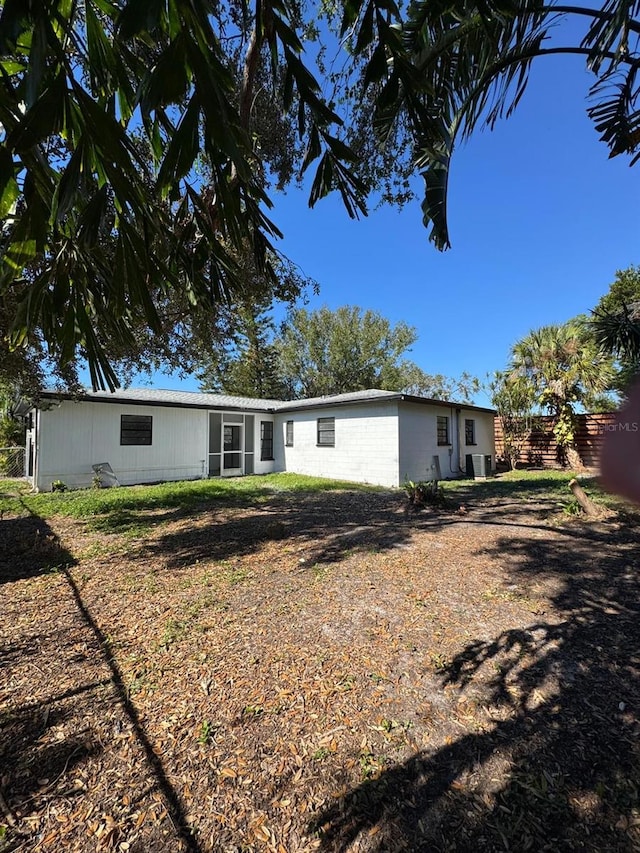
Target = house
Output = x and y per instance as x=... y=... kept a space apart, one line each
x=144 y=435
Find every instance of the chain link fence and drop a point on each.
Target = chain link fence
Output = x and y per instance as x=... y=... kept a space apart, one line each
x=11 y=462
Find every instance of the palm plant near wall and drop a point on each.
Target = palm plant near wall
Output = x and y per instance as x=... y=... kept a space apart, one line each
x=565 y=367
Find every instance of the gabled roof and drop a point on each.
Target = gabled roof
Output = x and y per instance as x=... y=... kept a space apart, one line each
x=204 y=400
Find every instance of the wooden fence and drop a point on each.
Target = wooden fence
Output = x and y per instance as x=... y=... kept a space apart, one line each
x=541 y=450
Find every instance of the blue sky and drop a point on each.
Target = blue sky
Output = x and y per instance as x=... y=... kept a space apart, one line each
x=540 y=220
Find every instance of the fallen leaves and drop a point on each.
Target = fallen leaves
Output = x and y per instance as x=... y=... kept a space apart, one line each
x=232 y=699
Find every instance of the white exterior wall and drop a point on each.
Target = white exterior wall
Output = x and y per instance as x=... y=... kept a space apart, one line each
x=380 y=442
x=366 y=443
x=74 y=436
x=419 y=440
x=485 y=436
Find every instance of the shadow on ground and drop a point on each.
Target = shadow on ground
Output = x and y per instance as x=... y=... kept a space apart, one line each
x=40 y=741
x=28 y=547
x=556 y=766
x=322 y=527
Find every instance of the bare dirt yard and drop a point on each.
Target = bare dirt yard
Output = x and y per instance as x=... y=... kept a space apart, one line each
x=321 y=672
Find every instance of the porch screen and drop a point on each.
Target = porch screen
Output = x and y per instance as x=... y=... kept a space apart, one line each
x=215 y=444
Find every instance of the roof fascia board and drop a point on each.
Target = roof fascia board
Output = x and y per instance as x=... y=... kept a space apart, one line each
x=426 y=401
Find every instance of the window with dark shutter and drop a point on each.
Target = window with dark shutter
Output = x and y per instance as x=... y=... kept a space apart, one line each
x=266 y=440
x=469 y=432
x=136 y=429
x=443 y=430
x=326 y=432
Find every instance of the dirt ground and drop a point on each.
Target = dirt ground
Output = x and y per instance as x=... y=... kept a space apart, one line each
x=320 y=673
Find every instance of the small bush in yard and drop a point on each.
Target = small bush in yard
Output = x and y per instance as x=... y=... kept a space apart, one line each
x=424 y=493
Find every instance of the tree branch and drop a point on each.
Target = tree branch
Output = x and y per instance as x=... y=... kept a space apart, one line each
x=248 y=78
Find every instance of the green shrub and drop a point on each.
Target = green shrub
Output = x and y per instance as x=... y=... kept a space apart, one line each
x=424 y=493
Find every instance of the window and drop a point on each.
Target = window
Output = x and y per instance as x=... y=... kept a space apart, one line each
x=289 y=434
x=443 y=430
x=266 y=439
x=469 y=431
x=326 y=432
x=135 y=429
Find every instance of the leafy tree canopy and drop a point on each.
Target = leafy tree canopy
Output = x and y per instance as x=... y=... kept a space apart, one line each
x=616 y=324
x=624 y=292
x=563 y=365
x=323 y=352
x=11 y=428
x=514 y=399
x=133 y=170
x=246 y=361
x=130 y=181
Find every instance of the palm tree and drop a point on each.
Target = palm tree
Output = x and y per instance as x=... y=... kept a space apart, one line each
x=564 y=366
x=619 y=333
x=157 y=125
x=459 y=66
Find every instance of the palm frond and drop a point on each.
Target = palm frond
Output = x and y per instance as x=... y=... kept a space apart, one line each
x=615 y=115
x=619 y=332
x=492 y=91
x=609 y=32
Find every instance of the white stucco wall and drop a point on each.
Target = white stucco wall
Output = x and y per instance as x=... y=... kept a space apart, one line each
x=74 y=436
x=381 y=443
x=484 y=434
x=366 y=443
x=419 y=440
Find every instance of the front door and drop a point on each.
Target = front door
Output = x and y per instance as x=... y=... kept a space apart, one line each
x=232 y=450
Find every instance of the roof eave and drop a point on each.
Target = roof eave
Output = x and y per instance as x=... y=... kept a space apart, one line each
x=166 y=404
x=448 y=404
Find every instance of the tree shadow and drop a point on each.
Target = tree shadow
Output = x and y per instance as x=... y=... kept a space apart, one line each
x=321 y=527
x=516 y=489
x=32 y=762
x=552 y=759
x=29 y=547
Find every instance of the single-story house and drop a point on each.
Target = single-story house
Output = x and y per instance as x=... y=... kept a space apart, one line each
x=145 y=435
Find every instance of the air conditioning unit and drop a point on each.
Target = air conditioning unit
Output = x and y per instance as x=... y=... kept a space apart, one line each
x=478 y=466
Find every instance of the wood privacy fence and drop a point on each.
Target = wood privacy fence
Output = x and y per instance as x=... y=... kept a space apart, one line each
x=541 y=450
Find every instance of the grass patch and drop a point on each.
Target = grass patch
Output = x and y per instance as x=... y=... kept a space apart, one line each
x=514 y=485
x=535 y=487
x=120 y=504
